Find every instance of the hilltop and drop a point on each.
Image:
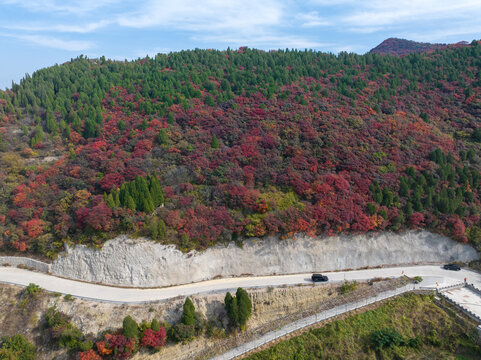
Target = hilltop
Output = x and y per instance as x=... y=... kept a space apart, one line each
x=395 y=46
x=204 y=146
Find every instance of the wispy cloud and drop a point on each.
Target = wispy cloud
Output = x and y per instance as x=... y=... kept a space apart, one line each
x=440 y=34
x=381 y=13
x=61 y=28
x=210 y=15
x=264 y=41
x=312 y=19
x=53 y=42
x=62 y=6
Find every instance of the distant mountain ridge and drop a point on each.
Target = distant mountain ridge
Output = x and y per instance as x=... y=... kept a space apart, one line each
x=396 y=46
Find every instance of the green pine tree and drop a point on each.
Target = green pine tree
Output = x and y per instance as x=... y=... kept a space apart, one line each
x=188 y=312
x=244 y=305
x=131 y=203
x=163 y=138
x=110 y=201
x=156 y=191
x=116 y=196
x=170 y=118
x=231 y=308
x=130 y=329
x=214 y=143
x=161 y=228
x=155 y=325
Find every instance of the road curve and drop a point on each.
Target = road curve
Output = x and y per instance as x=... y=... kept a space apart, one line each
x=433 y=275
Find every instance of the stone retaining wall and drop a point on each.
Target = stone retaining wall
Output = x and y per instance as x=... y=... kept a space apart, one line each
x=16 y=261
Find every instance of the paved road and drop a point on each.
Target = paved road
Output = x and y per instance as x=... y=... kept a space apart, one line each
x=432 y=275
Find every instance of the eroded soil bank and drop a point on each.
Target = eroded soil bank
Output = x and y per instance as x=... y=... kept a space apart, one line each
x=143 y=263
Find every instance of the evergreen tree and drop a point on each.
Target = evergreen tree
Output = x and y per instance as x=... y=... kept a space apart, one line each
x=130 y=329
x=161 y=229
x=110 y=201
x=244 y=305
x=214 y=143
x=231 y=308
x=403 y=188
x=155 y=325
x=156 y=191
x=163 y=137
x=409 y=209
x=147 y=204
x=131 y=203
x=116 y=197
x=170 y=118
x=188 y=313
x=153 y=229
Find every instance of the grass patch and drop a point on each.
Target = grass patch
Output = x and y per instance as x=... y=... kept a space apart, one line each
x=408 y=327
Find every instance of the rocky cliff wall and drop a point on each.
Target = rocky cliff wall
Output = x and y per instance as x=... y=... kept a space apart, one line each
x=142 y=263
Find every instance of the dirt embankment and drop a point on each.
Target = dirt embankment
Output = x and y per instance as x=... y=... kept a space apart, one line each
x=270 y=305
x=143 y=263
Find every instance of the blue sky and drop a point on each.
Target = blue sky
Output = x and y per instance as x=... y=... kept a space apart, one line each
x=39 y=33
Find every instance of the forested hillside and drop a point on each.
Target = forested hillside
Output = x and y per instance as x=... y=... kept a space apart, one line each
x=395 y=46
x=198 y=147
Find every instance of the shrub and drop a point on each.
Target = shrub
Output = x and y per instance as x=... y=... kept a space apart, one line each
x=182 y=333
x=89 y=355
x=130 y=329
x=17 y=348
x=348 y=286
x=154 y=339
x=387 y=337
x=64 y=332
x=32 y=289
x=417 y=279
x=121 y=346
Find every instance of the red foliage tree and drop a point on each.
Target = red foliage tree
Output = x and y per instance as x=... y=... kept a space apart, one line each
x=33 y=227
x=88 y=355
x=416 y=219
x=99 y=217
x=154 y=339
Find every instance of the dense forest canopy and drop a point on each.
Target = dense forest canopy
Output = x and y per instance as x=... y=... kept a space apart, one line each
x=204 y=146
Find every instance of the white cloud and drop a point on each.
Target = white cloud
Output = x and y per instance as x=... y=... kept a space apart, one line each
x=375 y=13
x=62 y=28
x=312 y=19
x=442 y=34
x=210 y=15
x=60 y=6
x=53 y=42
x=265 y=41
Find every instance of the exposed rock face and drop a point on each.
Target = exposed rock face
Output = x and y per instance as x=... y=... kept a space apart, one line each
x=142 y=263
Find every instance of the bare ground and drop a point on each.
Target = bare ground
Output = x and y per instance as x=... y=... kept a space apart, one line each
x=271 y=306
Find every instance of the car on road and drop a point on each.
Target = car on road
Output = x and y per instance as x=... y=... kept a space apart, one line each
x=454 y=267
x=319 y=278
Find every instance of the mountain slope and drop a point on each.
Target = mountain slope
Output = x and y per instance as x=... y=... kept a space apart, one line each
x=395 y=46
x=239 y=144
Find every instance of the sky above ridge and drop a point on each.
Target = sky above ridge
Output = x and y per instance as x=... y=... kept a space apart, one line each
x=39 y=33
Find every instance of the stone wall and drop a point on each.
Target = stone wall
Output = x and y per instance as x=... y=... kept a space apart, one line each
x=25 y=262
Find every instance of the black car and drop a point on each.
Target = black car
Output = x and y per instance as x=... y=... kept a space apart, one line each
x=319 y=278
x=454 y=267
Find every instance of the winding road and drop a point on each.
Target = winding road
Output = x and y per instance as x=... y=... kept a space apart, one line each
x=433 y=275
